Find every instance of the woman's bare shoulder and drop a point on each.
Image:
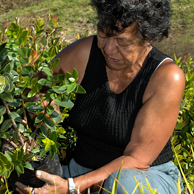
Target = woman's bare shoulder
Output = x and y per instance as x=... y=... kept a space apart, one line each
x=168 y=78
x=76 y=55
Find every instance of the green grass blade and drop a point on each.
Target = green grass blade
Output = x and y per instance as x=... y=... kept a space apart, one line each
x=185 y=179
x=105 y=190
x=150 y=189
x=137 y=185
x=179 y=185
x=139 y=189
x=115 y=184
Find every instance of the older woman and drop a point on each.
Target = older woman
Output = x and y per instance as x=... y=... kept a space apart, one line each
x=131 y=106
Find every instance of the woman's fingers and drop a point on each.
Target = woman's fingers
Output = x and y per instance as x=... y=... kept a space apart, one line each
x=46 y=177
x=23 y=189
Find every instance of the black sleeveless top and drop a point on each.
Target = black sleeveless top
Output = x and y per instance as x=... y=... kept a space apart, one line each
x=104 y=120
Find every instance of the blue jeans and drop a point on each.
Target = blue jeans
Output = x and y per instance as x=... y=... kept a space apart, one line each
x=164 y=177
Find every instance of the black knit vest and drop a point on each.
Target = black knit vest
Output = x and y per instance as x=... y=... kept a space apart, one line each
x=104 y=120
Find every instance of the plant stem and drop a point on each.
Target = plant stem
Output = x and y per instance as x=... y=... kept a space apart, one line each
x=37 y=127
x=25 y=118
x=14 y=123
x=12 y=143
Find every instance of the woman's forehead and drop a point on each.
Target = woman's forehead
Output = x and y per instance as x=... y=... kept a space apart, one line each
x=125 y=33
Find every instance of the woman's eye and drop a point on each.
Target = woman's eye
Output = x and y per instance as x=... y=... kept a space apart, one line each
x=101 y=36
x=124 y=45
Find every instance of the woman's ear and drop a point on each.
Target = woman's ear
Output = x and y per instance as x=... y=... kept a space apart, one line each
x=148 y=43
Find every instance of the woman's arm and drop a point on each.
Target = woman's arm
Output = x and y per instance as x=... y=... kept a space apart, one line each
x=153 y=126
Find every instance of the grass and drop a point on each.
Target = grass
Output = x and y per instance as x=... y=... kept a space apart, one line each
x=77 y=16
x=181 y=38
x=74 y=15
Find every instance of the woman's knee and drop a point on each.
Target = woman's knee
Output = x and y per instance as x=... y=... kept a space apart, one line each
x=126 y=180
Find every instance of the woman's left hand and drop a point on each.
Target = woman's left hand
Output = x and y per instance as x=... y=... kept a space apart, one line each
x=53 y=184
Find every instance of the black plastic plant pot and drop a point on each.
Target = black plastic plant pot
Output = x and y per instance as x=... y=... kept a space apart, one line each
x=29 y=178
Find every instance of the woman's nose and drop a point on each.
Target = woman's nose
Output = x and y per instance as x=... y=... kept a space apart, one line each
x=110 y=46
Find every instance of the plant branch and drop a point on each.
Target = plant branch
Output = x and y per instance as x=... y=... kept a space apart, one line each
x=37 y=127
x=25 y=118
x=14 y=123
x=12 y=143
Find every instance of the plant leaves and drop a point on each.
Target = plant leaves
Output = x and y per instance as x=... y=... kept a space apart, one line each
x=2 y=110
x=24 y=60
x=36 y=150
x=179 y=125
x=2 y=167
x=50 y=124
x=53 y=136
x=74 y=74
x=8 y=155
x=39 y=118
x=45 y=82
x=20 y=169
x=6 y=125
x=21 y=127
x=15 y=137
x=27 y=104
x=51 y=154
x=15 y=116
x=47 y=71
x=56 y=116
x=54 y=63
x=28 y=166
x=49 y=109
x=6 y=96
x=1 y=121
x=35 y=109
x=60 y=90
x=43 y=130
x=67 y=104
x=80 y=89
x=44 y=41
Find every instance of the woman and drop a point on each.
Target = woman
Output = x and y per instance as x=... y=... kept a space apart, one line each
x=131 y=106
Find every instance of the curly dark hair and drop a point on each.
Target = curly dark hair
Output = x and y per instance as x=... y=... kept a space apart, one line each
x=152 y=17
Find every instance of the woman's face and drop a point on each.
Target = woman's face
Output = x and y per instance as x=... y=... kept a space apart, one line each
x=123 y=50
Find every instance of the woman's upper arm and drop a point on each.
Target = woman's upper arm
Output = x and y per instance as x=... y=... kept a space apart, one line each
x=157 y=118
x=76 y=56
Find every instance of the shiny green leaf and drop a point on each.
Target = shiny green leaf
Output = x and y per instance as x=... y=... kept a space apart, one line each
x=74 y=74
x=50 y=124
x=2 y=110
x=15 y=116
x=71 y=87
x=19 y=169
x=6 y=97
x=45 y=82
x=67 y=104
x=35 y=109
x=43 y=130
x=28 y=166
x=54 y=63
x=6 y=125
x=80 y=89
x=39 y=118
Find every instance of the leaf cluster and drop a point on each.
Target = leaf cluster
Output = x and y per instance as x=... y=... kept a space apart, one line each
x=23 y=54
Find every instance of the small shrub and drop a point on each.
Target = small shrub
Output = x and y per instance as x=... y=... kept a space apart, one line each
x=183 y=137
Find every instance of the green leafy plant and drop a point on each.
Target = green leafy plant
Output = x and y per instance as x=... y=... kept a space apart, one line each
x=183 y=137
x=23 y=54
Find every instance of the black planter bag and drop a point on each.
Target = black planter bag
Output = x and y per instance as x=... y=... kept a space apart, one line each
x=29 y=178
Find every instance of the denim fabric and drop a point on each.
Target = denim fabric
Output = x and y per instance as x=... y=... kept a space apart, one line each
x=164 y=177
